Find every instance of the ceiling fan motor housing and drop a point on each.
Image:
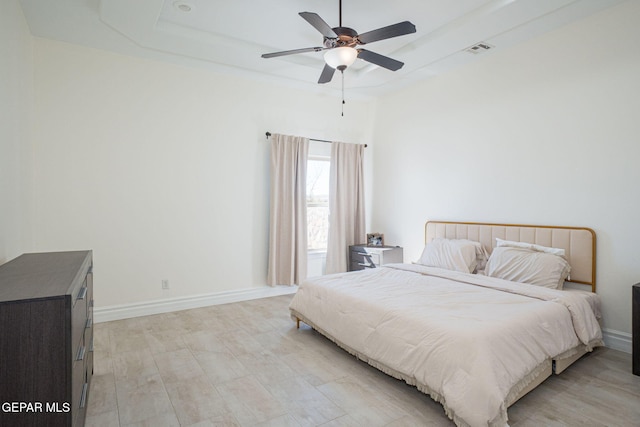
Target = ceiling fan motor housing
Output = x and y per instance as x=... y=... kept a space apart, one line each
x=346 y=37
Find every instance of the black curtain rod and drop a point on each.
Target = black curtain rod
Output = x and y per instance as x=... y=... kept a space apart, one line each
x=310 y=139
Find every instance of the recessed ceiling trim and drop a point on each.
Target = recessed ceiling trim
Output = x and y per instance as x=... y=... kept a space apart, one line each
x=233 y=35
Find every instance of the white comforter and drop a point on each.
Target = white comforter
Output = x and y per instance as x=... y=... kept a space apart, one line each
x=467 y=340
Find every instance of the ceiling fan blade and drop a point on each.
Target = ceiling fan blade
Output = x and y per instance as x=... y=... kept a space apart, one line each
x=395 y=30
x=319 y=24
x=292 y=52
x=381 y=60
x=327 y=74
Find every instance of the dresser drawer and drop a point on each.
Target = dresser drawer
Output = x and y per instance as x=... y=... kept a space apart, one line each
x=88 y=342
x=89 y=284
x=79 y=316
x=364 y=259
x=78 y=374
x=355 y=266
x=362 y=256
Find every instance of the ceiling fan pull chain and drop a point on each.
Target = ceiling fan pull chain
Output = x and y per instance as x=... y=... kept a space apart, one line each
x=342 y=72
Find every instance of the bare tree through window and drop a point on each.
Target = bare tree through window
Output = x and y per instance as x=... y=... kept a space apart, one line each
x=317 y=203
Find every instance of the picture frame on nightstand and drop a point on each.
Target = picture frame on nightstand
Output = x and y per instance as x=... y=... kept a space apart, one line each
x=375 y=239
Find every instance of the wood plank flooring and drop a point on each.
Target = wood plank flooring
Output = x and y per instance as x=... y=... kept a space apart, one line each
x=246 y=364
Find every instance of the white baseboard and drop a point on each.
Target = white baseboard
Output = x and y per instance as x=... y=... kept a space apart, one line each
x=126 y=311
x=617 y=340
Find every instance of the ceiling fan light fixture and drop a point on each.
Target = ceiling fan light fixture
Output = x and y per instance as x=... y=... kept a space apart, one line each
x=340 y=57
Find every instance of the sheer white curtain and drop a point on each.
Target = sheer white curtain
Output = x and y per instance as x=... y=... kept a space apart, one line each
x=288 y=211
x=346 y=204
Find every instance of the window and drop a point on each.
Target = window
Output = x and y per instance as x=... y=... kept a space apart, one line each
x=317 y=202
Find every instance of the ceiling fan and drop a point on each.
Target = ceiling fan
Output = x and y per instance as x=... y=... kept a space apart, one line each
x=340 y=43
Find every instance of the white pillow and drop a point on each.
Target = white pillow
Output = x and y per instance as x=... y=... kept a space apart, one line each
x=540 y=248
x=451 y=254
x=528 y=266
x=482 y=256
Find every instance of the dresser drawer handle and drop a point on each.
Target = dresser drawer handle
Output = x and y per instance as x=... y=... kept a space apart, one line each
x=364 y=253
x=83 y=398
x=82 y=293
x=89 y=323
x=80 y=354
x=91 y=345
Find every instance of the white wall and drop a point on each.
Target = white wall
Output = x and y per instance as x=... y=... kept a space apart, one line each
x=16 y=89
x=163 y=171
x=544 y=133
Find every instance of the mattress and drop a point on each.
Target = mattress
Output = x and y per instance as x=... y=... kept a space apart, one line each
x=471 y=342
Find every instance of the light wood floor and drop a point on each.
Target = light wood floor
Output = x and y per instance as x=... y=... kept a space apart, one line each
x=245 y=364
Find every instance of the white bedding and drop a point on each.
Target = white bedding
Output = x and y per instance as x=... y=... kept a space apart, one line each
x=469 y=341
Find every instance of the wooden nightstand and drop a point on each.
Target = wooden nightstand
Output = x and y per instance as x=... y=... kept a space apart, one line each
x=363 y=256
x=636 y=328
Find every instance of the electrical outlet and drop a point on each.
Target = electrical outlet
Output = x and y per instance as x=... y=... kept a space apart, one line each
x=165 y=284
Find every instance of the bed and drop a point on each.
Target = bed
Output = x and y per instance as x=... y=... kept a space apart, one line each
x=468 y=332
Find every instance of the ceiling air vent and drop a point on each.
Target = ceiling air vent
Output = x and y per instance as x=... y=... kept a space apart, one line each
x=479 y=48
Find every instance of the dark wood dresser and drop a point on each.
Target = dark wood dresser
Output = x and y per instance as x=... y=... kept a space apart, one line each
x=46 y=338
x=636 y=328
